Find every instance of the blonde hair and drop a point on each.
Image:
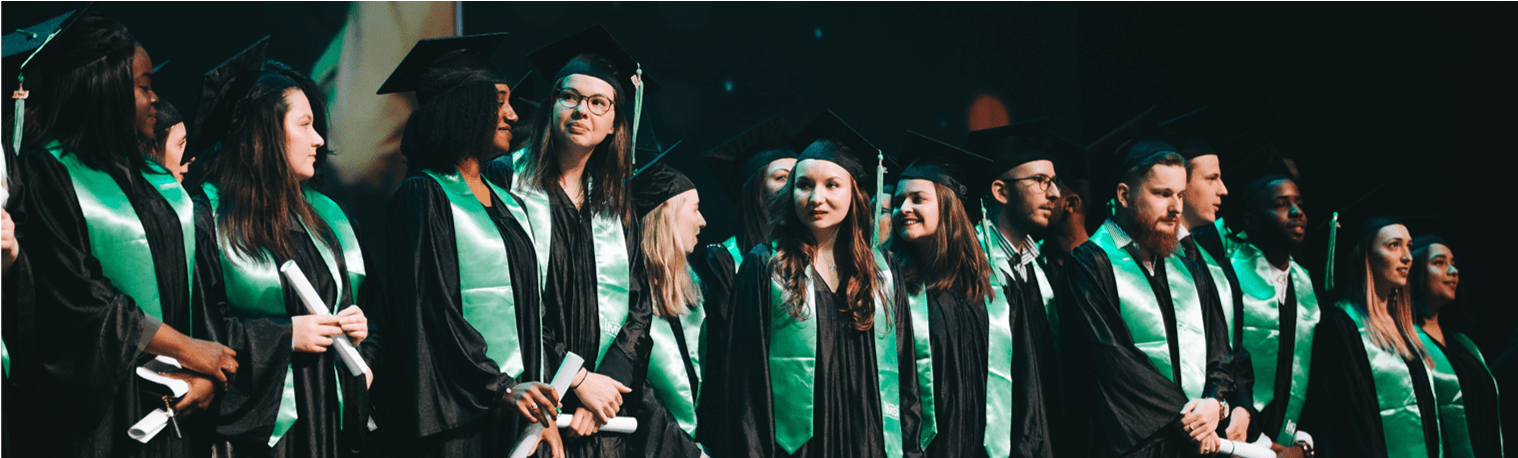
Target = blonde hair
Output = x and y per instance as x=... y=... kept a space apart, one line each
x=670 y=278
x=1392 y=327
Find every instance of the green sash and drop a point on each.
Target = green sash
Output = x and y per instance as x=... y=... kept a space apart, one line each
x=613 y=272
x=917 y=305
x=1401 y=420
x=1262 y=332
x=117 y=238
x=999 y=383
x=1219 y=282
x=1146 y=323
x=732 y=249
x=254 y=289
x=1471 y=347
x=1450 y=402
x=1000 y=254
x=1229 y=238
x=793 y=364
x=484 y=271
x=667 y=366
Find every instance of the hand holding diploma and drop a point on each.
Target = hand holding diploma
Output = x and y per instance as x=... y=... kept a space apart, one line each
x=536 y=431
x=316 y=307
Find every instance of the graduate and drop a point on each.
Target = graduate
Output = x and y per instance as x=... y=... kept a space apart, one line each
x=257 y=140
x=1022 y=186
x=464 y=355
x=1142 y=327
x=970 y=326
x=170 y=139
x=1464 y=389
x=1278 y=307
x=821 y=361
x=1068 y=221
x=1370 y=392
x=672 y=412
x=752 y=169
x=110 y=244
x=571 y=178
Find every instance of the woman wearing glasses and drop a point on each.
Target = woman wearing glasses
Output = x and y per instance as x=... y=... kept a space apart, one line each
x=571 y=178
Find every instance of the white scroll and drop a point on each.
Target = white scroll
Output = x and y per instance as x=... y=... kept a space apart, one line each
x=566 y=373
x=315 y=306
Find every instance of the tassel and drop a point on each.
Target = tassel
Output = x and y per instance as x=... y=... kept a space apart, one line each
x=1333 y=237
x=879 y=199
x=20 y=119
x=637 y=109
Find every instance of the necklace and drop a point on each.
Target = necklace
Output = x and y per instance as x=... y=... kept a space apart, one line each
x=833 y=267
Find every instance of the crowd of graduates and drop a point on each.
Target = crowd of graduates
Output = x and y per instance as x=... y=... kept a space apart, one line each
x=1018 y=295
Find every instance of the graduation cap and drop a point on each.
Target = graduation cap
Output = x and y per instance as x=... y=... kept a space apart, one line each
x=524 y=96
x=737 y=160
x=568 y=56
x=1188 y=133
x=71 y=48
x=1007 y=146
x=944 y=164
x=1114 y=142
x=30 y=38
x=220 y=90
x=655 y=182
x=435 y=65
x=828 y=138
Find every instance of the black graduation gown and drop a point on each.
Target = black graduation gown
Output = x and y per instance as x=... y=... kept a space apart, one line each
x=847 y=411
x=1505 y=369
x=83 y=337
x=1341 y=410
x=1036 y=390
x=263 y=344
x=1120 y=404
x=571 y=317
x=959 y=336
x=446 y=392
x=717 y=271
x=19 y=311
x=1241 y=364
x=659 y=434
x=1479 y=392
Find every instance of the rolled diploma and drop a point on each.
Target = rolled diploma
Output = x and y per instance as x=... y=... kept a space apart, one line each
x=566 y=373
x=162 y=363
x=1302 y=436
x=623 y=425
x=314 y=306
x=1243 y=450
x=149 y=427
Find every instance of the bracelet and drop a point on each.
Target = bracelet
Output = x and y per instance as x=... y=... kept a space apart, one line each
x=1306 y=448
x=582 y=380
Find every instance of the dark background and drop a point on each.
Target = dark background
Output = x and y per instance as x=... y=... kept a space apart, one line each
x=1415 y=98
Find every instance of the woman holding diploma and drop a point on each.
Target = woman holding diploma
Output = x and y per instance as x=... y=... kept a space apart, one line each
x=466 y=345
x=572 y=181
x=110 y=243
x=820 y=362
x=257 y=142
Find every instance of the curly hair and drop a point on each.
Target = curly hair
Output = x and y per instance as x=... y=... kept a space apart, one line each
x=795 y=248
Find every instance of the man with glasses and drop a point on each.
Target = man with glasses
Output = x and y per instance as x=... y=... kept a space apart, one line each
x=1023 y=187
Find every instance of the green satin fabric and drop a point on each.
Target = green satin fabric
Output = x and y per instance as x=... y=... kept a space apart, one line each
x=1000 y=255
x=485 y=287
x=666 y=365
x=732 y=249
x=1401 y=419
x=1453 y=428
x=1471 y=347
x=917 y=306
x=999 y=383
x=1146 y=323
x=1219 y=282
x=1262 y=332
x=1230 y=239
x=117 y=238
x=353 y=255
x=793 y=366
x=613 y=272
x=254 y=288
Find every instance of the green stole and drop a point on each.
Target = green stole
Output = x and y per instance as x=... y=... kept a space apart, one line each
x=793 y=364
x=999 y=383
x=667 y=366
x=117 y=238
x=1146 y=322
x=731 y=244
x=1262 y=334
x=254 y=289
x=1452 y=421
x=613 y=270
x=1001 y=254
x=917 y=305
x=1401 y=419
x=484 y=271
x=1219 y=282
x=1470 y=346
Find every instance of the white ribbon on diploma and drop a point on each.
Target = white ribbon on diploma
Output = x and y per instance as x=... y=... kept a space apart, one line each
x=566 y=373
x=315 y=306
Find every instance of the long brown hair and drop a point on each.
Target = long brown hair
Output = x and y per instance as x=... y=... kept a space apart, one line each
x=260 y=196
x=949 y=260
x=664 y=261
x=796 y=246
x=607 y=170
x=1401 y=335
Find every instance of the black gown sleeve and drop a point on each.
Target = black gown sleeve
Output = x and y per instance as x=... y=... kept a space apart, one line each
x=438 y=376
x=1479 y=392
x=96 y=331
x=1032 y=353
x=1226 y=367
x=1122 y=400
x=717 y=275
x=749 y=429
x=1340 y=409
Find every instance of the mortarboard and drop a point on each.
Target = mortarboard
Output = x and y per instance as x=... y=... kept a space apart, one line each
x=655 y=182
x=828 y=138
x=435 y=65
x=736 y=161
x=564 y=57
x=220 y=90
x=944 y=164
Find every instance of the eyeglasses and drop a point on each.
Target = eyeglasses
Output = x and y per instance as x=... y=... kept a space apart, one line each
x=1041 y=182
x=597 y=104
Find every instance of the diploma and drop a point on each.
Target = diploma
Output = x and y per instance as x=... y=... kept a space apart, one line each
x=624 y=425
x=566 y=373
x=314 y=306
x=149 y=427
x=1243 y=450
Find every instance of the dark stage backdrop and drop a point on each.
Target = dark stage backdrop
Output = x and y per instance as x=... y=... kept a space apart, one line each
x=1416 y=99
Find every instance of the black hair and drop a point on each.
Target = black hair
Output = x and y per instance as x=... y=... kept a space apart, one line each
x=456 y=124
x=91 y=108
x=168 y=117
